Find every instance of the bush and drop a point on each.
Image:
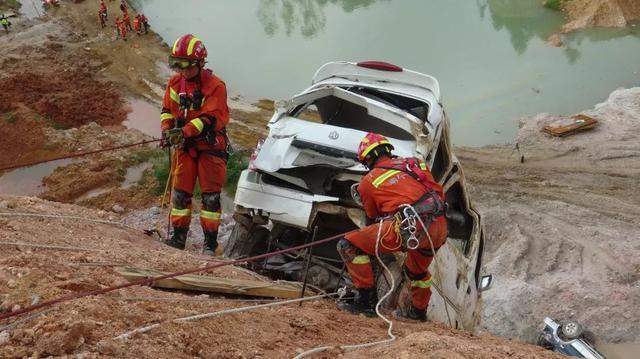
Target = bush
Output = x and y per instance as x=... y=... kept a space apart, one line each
x=238 y=162
x=554 y=4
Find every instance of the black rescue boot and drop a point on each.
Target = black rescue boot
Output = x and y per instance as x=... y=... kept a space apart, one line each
x=179 y=238
x=364 y=303
x=412 y=313
x=210 y=243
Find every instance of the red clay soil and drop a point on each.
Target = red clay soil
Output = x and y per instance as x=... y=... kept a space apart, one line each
x=68 y=99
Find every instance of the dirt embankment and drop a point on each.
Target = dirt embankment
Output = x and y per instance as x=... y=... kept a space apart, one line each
x=87 y=326
x=599 y=13
x=562 y=227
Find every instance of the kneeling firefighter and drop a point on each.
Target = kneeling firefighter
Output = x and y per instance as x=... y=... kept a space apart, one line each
x=194 y=117
x=394 y=193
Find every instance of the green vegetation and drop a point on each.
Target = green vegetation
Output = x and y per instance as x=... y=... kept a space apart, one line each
x=161 y=168
x=238 y=162
x=554 y=4
x=10 y=117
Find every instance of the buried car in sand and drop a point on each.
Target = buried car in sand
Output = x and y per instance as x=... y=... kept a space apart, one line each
x=298 y=185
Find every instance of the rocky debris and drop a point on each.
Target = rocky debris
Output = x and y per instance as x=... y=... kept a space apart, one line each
x=560 y=228
x=117 y=208
x=600 y=13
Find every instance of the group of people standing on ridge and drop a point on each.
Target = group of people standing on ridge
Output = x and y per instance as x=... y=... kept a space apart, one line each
x=124 y=25
x=193 y=119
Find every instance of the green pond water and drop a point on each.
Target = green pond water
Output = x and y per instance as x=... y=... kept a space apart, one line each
x=490 y=56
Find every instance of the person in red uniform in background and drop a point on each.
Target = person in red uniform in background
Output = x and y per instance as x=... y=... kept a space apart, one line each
x=136 y=24
x=391 y=183
x=194 y=118
x=103 y=9
x=127 y=21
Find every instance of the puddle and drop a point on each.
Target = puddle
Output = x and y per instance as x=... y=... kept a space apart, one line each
x=144 y=117
x=31 y=9
x=28 y=181
x=134 y=174
x=620 y=350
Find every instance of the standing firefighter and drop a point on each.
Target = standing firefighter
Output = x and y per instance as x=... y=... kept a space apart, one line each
x=391 y=185
x=194 y=116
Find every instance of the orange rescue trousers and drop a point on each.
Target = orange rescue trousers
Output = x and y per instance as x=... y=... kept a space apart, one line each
x=357 y=248
x=210 y=171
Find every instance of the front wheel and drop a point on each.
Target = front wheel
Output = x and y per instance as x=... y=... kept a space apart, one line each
x=245 y=238
x=571 y=331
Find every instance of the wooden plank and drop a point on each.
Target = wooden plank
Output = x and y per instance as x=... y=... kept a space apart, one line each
x=570 y=126
x=200 y=283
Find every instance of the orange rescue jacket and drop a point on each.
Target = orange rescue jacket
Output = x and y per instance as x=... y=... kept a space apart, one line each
x=385 y=188
x=210 y=118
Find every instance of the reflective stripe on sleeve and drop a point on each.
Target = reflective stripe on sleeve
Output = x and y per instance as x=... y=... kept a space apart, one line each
x=423 y=166
x=213 y=216
x=180 y=212
x=166 y=116
x=198 y=124
x=361 y=260
x=383 y=177
x=174 y=95
x=421 y=283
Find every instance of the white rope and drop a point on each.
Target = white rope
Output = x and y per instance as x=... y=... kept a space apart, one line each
x=222 y=312
x=52 y=216
x=391 y=338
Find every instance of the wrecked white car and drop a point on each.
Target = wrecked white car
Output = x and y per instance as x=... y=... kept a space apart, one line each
x=299 y=179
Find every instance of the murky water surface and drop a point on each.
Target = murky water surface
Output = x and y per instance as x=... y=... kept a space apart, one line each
x=490 y=56
x=27 y=181
x=144 y=116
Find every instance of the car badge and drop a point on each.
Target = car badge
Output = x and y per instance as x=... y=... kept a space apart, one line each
x=334 y=135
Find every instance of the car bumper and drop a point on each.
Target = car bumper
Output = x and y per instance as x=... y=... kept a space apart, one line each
x=278 y=204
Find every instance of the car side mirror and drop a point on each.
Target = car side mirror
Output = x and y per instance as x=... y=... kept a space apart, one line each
x=485 y=282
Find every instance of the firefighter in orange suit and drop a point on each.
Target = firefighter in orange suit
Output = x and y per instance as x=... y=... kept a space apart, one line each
x=391 y=183
x=194 y=117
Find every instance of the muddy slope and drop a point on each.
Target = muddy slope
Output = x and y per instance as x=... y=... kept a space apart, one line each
x=600 y=13
x=562 y=227
x=29 y=274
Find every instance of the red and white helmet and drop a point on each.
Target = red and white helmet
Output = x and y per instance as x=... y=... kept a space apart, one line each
x=189 y=47
x=371 y=145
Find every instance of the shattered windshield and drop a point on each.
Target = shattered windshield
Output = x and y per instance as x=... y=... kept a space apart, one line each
x=335 y=111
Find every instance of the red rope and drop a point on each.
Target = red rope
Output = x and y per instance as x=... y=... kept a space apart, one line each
x=77 y=154
x=149 y=281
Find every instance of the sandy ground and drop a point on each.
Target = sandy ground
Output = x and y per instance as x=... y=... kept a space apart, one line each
x=88 y=326
x=600 y=13
x=562 y=227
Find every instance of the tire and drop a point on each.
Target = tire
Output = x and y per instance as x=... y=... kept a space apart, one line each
x=570 y=331
x=244 y=238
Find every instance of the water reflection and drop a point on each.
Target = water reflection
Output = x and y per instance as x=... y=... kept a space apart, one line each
x=307 y=16
x=523 y=19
